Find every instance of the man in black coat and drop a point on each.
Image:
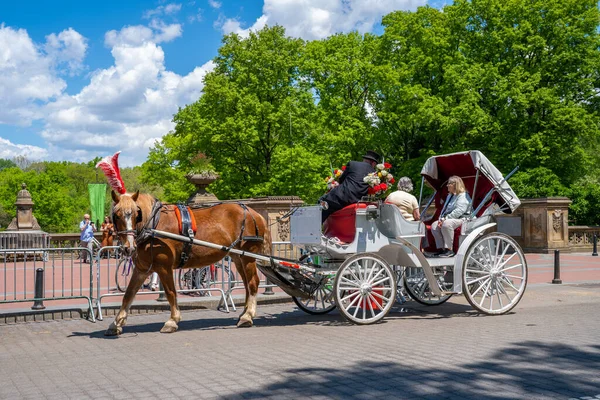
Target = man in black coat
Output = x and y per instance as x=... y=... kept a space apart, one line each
x=351 y=187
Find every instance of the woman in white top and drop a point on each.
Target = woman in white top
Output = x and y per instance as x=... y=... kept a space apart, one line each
x=455 y=207
x=406 y=202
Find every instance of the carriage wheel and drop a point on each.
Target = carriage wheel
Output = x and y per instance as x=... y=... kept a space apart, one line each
x=365 y=288
x=321 y=301
x=494 y=274
x=417 y=287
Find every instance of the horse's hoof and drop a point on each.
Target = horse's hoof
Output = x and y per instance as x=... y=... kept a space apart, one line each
x=244 y=323
x=113 y=330
x=169 y=327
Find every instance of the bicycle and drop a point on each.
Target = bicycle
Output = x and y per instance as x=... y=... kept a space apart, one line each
x=123 y=271
x=201 y=278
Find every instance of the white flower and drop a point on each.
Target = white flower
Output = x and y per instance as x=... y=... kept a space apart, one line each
x=384 y=173
x=380 y=167
x=389 y=177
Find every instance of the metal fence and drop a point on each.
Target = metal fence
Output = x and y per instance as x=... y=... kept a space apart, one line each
x=65 y=277
x=59 y=277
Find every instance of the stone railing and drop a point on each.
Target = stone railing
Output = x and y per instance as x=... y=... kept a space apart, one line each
x=61 y=240
x=581 y=238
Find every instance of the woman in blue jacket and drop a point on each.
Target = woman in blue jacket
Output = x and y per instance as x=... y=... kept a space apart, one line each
x=451 y=217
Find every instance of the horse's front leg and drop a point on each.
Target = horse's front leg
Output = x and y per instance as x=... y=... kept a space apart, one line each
x=166 y=277
x=137 y=279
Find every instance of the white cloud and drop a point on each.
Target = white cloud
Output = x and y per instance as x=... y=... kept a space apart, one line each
x=317 y=19
x=169 y=9
x=214 y=3
x=234 y=26
x=29 y=76
x=10 y=150
x=137 y=35
x=127 y=106
x=67 y=47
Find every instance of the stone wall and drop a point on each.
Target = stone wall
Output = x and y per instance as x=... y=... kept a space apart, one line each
x=543 y=224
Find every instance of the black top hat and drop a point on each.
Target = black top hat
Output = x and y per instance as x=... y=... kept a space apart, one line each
x=371 y=155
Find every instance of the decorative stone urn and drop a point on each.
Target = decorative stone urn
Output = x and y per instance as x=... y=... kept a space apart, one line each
x=201 y=181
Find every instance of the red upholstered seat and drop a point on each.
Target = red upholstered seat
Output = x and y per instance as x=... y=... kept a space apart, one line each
x=342 y=223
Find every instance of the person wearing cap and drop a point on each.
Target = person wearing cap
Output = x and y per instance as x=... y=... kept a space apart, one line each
x=351 y=186
x=404 y=200
x=87 y=229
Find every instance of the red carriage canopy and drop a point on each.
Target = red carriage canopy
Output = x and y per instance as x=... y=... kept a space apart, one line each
x=438 y=169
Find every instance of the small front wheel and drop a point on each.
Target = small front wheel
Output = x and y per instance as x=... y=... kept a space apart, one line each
x=321 y=301
x=365 y=288
x=418 y=289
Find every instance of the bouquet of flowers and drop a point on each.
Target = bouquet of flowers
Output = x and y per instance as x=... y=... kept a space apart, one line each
x=332 y=180
x=380 y=181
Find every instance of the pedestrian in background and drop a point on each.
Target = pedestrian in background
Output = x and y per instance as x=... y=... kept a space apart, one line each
x=108 y=230
x=87 y=229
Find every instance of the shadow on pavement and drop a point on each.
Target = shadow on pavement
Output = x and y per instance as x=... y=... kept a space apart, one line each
x=526 y=370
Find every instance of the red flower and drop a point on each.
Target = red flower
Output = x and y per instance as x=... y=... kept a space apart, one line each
x=383 y=187
x=387 y=165
x=392 y=181
x=335 y=172
x=344 y=168
x=371 y=190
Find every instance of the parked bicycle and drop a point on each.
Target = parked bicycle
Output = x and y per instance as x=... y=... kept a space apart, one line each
x=203 y=278
x=123 y=272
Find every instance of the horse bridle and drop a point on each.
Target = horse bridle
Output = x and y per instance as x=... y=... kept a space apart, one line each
x=138 y=219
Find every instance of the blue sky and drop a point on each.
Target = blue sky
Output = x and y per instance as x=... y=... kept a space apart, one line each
x=80 y=79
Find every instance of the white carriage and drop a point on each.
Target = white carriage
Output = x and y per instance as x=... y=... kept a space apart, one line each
x=362 y=275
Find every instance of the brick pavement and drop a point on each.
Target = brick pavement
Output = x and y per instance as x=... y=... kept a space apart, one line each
x=548 y=348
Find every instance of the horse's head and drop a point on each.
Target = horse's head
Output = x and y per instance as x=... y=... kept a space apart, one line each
x=126 y=216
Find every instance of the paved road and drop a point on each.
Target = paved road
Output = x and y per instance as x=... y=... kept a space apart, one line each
x=549 y=348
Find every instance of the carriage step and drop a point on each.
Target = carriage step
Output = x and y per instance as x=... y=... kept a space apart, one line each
x=253 y=238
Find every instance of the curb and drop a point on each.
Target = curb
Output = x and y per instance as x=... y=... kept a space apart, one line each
x=139 y=307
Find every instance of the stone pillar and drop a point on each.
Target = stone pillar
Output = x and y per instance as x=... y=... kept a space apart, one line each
x=273 y=208
x=545 y=224
x=24 y=219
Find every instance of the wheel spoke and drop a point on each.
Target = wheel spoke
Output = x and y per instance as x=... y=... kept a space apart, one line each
x=513 y=267
x=509 y=284
x=346 y=280
x=484 y=293
x=484 y=267
x=370 y=280
x=507 y=260
x=477 y=271
x=481 y=285
x=478 y=279
x=387 y=278
x=513 y=276
x=372 y=300
x=500 y=297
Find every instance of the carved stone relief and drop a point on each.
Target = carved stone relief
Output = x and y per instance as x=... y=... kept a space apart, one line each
x=283 y=226
x=557 y=220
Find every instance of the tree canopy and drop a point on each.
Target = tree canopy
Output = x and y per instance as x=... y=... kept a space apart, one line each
x=516 y=79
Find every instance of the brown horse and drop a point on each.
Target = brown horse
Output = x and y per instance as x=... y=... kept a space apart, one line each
x=223 y=224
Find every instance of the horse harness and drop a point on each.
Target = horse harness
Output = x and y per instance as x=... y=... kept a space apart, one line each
x=187 y=227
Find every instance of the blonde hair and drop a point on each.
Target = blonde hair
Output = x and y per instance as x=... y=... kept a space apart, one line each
x=459 y=185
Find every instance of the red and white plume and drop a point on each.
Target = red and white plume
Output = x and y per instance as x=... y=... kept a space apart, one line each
x=110 y=167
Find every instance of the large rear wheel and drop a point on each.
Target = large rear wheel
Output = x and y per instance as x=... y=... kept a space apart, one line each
x=494 y=274
x=365 y=288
